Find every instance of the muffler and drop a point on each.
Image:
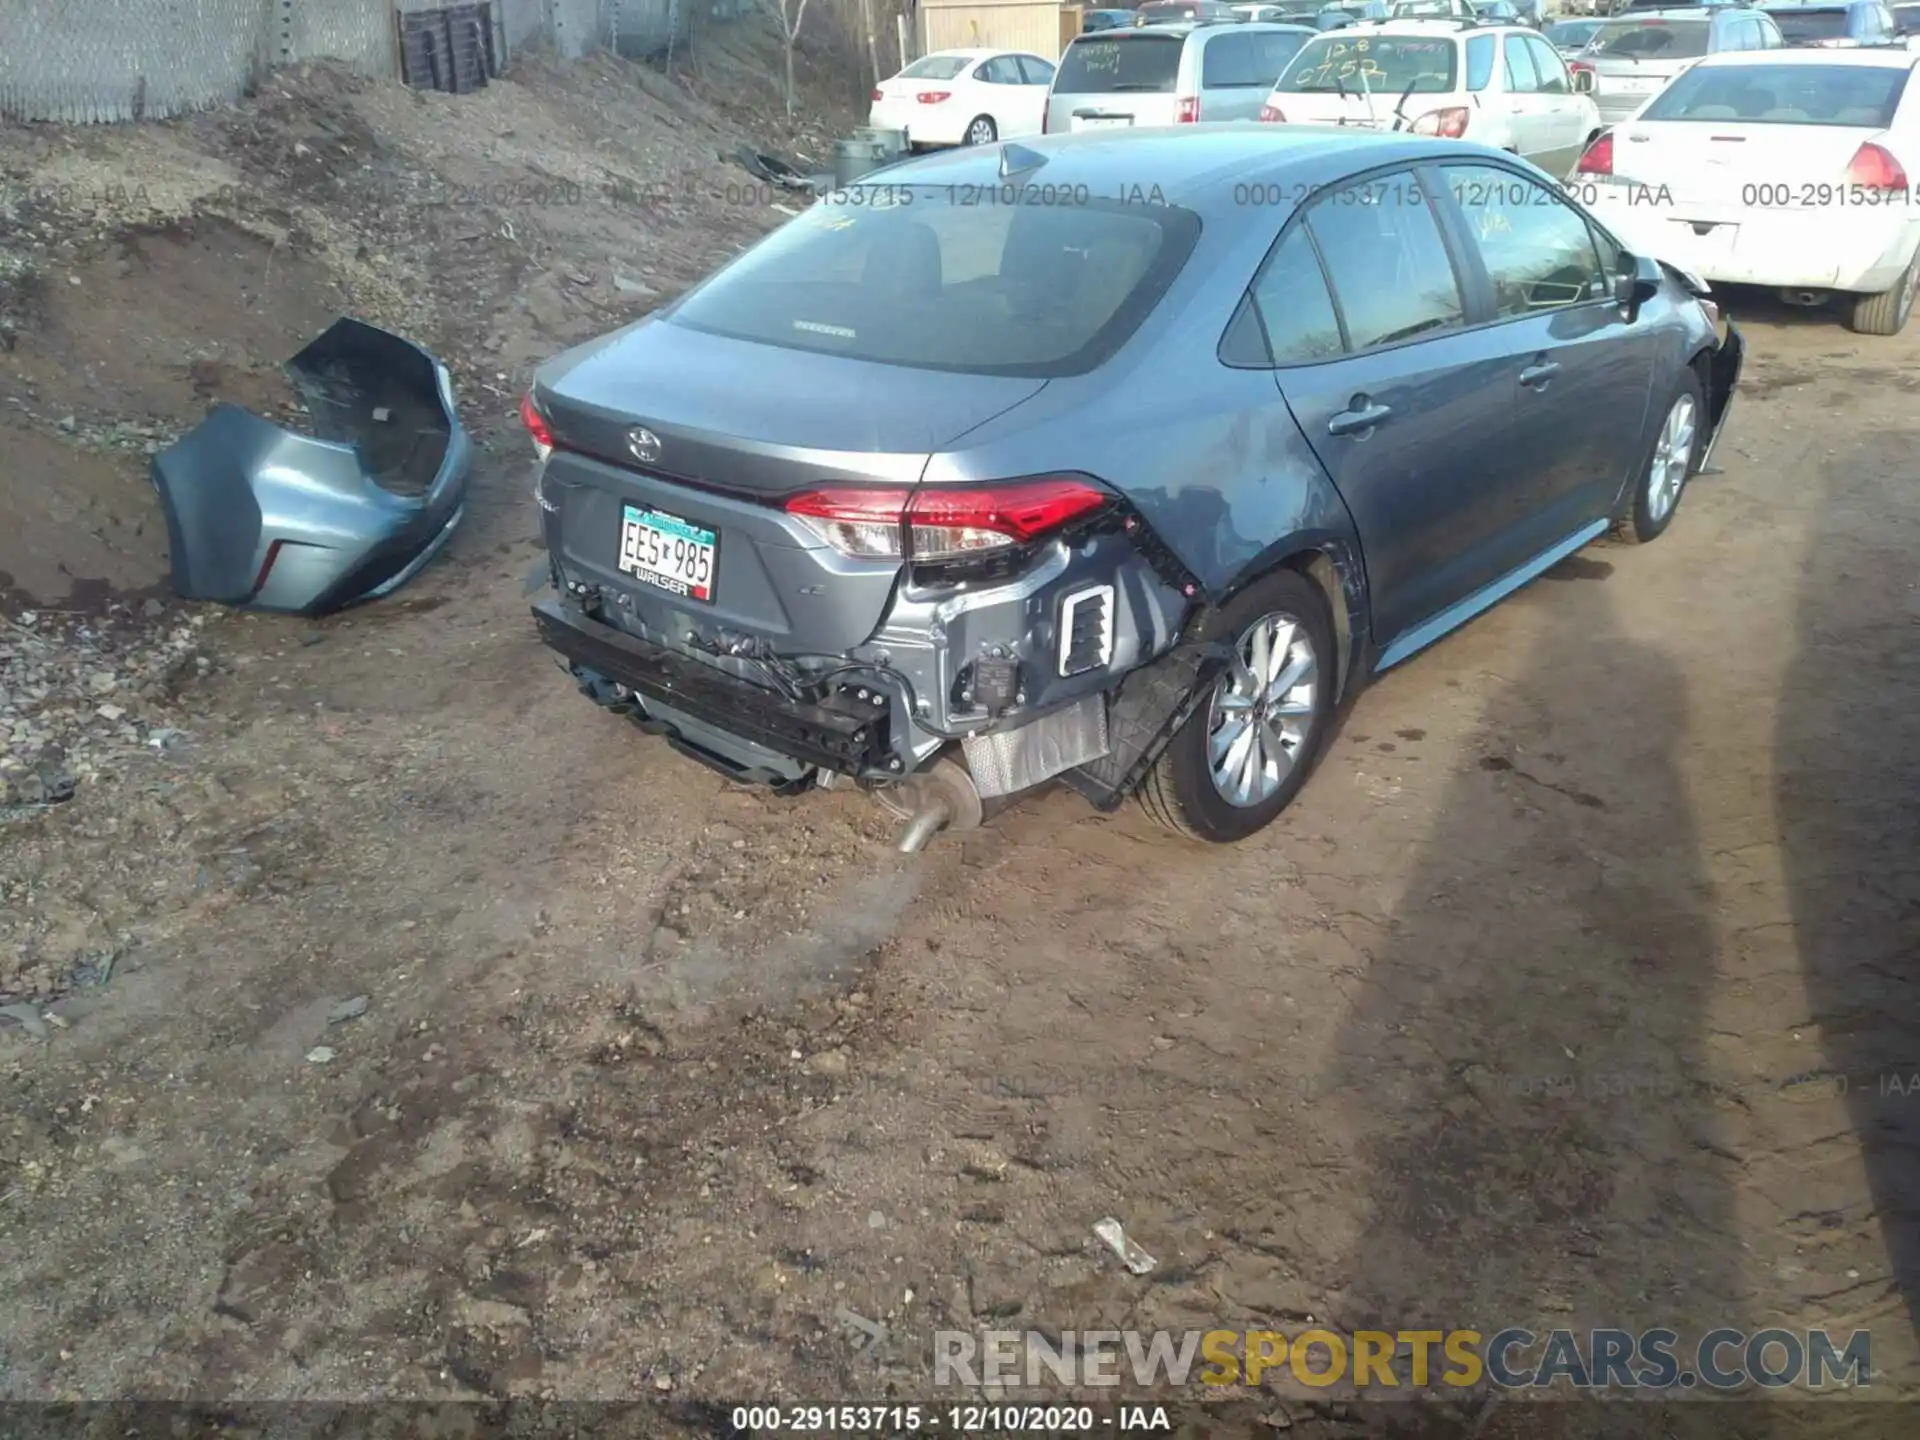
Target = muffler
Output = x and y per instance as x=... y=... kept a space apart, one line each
x=940 y=797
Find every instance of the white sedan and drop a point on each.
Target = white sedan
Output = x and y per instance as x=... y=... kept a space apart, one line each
x=1783 y=168
x=964 y=97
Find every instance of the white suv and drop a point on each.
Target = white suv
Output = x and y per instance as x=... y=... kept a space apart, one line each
x=1501 y=85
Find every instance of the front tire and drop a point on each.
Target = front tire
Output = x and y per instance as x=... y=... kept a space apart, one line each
x=981 y=131
x=1887 y=312
x=1677 y=447
x=1249 y=747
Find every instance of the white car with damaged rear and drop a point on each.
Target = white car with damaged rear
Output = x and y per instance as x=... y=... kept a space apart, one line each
x=1503 y=86
x=964 y=97
x=1789 y=169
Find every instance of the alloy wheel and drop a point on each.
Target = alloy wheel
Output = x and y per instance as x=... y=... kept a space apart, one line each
x=1261 y=714
x=1672 y=458
x=980 y=132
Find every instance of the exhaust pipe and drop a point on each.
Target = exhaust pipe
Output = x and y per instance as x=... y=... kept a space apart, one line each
x=927 y=822
x=941 y=797
x=1804 y=297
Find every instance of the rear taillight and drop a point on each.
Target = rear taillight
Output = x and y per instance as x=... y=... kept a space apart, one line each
x=1189 y=111
x=934 y=97
x=878 y=94
x=1449 y=123
x=1874 y=168
x=1575 y=65
x=537 y=426
x=944 y=522
x=1273 y=114
x=1598 y=157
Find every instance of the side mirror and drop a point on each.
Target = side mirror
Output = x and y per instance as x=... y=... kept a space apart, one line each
x=1583 y=82
x=1637 y=282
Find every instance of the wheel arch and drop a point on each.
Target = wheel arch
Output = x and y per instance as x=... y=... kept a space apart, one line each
x=1334 y=566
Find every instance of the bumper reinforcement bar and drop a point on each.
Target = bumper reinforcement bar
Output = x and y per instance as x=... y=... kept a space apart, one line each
x=853 y=742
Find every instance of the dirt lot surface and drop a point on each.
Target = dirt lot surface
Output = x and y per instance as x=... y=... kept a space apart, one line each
x=397 y=1024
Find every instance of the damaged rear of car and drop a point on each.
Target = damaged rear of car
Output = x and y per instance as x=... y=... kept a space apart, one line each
x=791 y=570
x=992 y=474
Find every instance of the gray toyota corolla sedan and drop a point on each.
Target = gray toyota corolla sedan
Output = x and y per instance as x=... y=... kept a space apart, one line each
x=1117 y=459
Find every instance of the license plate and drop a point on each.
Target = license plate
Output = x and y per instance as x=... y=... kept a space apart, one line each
x=669 y=553
x=1100 y=122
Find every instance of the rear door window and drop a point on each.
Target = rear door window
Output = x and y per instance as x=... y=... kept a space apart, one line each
x=1112 y=65
x=936 y=283
x=1392 y=277
x=1001 y=70
x=1521 y=79
x=1480 y=53
x=1549 y=67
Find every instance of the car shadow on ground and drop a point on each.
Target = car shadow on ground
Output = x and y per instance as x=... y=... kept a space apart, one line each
x=1525 y=1070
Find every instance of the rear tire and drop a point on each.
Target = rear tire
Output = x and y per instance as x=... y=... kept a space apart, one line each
x=981 y=131
x=1182 y=791
x=1887 y=312
x=1675 y=458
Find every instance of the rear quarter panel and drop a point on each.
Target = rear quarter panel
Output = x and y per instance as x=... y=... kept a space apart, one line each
x=1208 y=454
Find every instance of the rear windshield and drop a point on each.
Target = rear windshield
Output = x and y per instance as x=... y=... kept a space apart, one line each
x=1248 y=61
x=1571 y=32
x=1115 y=63
x=1857 y=95
x=1651 y=39
x=1382 y=64
x=1810 y=24
x=918 y=276
x=936 y=67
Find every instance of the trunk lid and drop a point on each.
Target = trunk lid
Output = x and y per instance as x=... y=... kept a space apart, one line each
x=674 y=446
x=1708 y=166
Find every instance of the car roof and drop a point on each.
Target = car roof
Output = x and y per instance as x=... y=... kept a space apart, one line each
x=1188 y=166
x=977 y=52
x=1887 y=59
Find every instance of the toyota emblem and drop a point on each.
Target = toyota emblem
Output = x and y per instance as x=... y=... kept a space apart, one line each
x=645 y=446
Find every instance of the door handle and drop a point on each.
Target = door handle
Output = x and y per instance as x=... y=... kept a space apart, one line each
x=1361 y=418
x=1535 y=377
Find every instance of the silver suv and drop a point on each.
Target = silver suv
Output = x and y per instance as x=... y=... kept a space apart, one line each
x=1633 y=57
x=1169 y=74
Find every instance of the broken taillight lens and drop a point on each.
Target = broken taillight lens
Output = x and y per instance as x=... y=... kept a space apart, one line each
x=1449 y=123
x=944 y=522
x=537 y=426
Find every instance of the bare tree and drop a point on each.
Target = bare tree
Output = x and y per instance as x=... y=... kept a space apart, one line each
x=789 y=14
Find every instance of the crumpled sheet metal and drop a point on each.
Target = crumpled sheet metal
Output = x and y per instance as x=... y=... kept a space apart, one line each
x=266 y=518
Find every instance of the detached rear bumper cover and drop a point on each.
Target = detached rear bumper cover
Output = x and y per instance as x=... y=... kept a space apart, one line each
x=263 y=517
